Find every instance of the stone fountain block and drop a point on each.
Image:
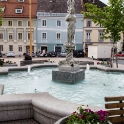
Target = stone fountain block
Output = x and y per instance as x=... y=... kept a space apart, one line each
x=68 y=77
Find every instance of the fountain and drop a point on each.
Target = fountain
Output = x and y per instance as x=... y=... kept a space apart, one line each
x=87 y=68
x=69 y=70
x=29 y=69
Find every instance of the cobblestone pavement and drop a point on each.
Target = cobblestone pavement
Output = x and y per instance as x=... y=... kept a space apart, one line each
x=26 y=121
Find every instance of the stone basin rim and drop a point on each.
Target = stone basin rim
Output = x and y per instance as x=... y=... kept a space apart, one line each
x=5 y=70
x=39 y=99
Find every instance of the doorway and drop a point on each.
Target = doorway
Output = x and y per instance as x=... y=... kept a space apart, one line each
x=44 y=48
x=58 y=49
x=28 y=49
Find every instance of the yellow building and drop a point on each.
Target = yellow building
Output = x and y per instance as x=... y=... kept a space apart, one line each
x=92 y=33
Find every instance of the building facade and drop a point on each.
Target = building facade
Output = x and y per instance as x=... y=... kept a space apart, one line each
x=15 y=30
x=52 y=27
x=92 y=32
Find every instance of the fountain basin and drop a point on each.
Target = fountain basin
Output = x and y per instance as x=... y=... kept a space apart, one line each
x=91 y=92
x=68 y=76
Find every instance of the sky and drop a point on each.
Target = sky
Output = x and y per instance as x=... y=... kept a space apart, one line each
x=105 y=1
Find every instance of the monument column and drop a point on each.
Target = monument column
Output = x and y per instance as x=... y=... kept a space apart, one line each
x=69 y=69
x=69 y=45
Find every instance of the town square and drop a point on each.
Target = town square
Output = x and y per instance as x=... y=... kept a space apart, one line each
x=61 y=61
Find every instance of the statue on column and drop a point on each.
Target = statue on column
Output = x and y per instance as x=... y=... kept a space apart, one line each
x=69 y=45
x=71 y=19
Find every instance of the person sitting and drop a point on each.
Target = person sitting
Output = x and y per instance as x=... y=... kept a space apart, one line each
x=1 y=62
x=27 y=57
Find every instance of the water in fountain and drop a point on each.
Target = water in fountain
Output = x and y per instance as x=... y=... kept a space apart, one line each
x=100 y=85
x=36 y=80
x=87 y=68
x=29 y=69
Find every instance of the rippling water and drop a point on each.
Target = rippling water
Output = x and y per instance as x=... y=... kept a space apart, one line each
x=92 y=90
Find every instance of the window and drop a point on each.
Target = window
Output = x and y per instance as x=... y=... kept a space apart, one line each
x=20 y=48
x=18 y=10
x=44 y=23
x=28 y=23
x=58 y=36
x=10 y=36
x=100 y=35
x=28 y=36
x=19 y=23
x=58 y=23
x=19 y=36
x=9 y=23
x=100 y=25
x=20 y=0
x=88 y=35
x=88 y=23
x=1 y=47
x=1 y=36
x=43 y=35
x=10 y=47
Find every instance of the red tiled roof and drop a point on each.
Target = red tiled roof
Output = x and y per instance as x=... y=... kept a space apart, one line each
x=19 y=7
x=11 y=5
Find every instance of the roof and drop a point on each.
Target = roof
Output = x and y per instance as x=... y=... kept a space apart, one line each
x=11 y=5
x=99 y=3
x=57 y=6
x=60 y=6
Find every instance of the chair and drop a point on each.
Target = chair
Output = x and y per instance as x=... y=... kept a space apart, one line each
x=116 y=109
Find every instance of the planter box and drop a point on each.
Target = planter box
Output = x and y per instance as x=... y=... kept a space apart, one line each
x=62 y=120
x=104 y=65
x=9 y=65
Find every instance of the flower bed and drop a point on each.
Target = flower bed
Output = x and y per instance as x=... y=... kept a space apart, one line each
x=9 y=63
x=107 y=64
x=48 y=61
x=86 y=116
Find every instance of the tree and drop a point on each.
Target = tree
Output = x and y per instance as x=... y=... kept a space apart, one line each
x=111 y=17
x=1 y=16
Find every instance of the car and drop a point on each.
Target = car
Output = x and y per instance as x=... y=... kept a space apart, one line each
x=51 y=54
x=63 y=54
x=78 y=53
x=10 y=54
x=1 y=54
x=41 y=55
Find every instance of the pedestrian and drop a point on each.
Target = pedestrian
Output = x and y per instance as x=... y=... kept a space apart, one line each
x=27 y=57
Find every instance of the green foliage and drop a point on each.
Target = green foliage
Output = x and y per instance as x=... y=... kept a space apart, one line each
x=87 y=116
x=111 y=17
x=1 y=16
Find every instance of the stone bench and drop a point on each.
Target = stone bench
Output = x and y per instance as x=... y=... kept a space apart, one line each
x=41 y=107
x=9 y=65
x=86 y=62
x=29 y=62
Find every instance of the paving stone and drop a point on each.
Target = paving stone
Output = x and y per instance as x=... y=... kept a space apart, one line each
x=26 y=121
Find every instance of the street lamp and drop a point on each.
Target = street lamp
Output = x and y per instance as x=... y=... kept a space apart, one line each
x=30 y=28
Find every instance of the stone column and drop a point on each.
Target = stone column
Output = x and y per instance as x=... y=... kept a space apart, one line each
x=5 y=35
x=15 y=35
x=24 y=35
x=34 y=37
